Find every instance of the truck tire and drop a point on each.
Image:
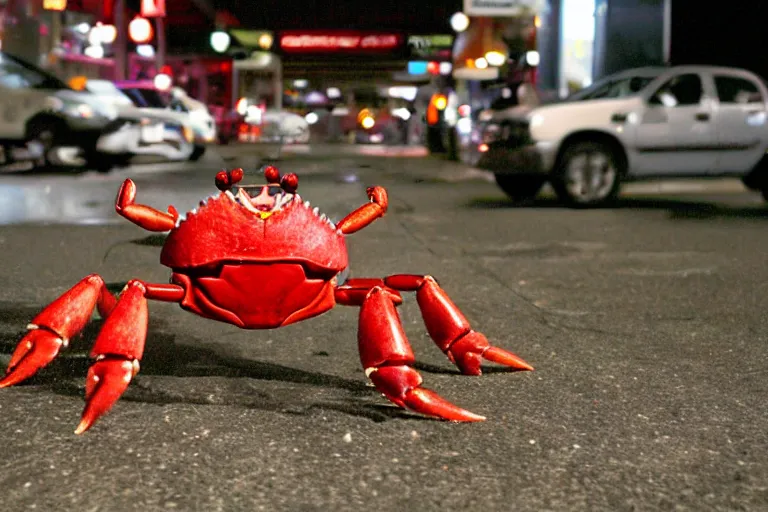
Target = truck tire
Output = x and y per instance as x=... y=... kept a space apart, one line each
x=588 y=174
x=520 y=188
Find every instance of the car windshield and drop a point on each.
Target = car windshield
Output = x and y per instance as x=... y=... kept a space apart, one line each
x=108 y=90
x=145 y=98
x=17 y=74
x=614 y=87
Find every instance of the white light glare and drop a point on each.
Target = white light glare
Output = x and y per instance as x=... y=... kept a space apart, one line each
x=532 y=58
x=220 y=41
x=311 y=118
x=459 y=22
x=481 y=63
x=145 y=50
x=446 y=68
x=162 y=81
x=300 y=83
x=407 y=92
x=94 y=51
x=402 y=112
x=333 y=92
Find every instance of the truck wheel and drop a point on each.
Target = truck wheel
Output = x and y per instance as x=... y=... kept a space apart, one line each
x=588 y=174
x=520 y=188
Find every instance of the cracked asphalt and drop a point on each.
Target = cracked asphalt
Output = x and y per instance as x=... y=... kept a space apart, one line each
x=646 y=324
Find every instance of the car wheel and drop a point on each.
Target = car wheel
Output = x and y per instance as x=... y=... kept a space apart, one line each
x=589 y=174
x=197 y=153
x=46 y=133
x=520 y=188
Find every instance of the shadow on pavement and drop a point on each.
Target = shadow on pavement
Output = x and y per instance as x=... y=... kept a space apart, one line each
x=678 y=208
x=163 y=357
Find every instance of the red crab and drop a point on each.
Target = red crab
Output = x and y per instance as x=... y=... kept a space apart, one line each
x=257 y=260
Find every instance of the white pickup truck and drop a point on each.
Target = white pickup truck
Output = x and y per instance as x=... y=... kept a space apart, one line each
x=40 y=115
x=645 y=123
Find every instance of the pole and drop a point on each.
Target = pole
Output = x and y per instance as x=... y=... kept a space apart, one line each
x=121 y=41
x=161 y=42
x=667 y=32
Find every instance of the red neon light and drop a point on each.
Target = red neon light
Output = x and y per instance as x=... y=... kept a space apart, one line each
x=338 y=41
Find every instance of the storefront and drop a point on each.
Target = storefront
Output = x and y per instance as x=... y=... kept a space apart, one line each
x=581 y=41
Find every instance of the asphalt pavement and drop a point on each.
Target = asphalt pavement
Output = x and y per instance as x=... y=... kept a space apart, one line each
x=645 y=322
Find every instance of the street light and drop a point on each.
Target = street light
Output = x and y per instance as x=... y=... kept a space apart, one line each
x=459 y=22
x=220 y=41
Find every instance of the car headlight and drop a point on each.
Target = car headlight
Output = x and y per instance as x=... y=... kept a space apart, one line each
x=189 y=134
x=536 y=120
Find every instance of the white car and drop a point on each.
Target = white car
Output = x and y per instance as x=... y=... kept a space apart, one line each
x=186 y=111
x=46 y=123
x=683 y=121
x=276 y=125
x=152 y=133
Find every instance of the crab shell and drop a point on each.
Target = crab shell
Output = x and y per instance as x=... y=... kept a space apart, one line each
x=256 y=270
x=223 y=231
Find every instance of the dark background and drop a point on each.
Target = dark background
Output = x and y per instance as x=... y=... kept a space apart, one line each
x=728 y=34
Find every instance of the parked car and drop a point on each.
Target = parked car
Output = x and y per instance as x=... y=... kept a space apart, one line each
x=42 y=117
x=262 y=124
x=645 y=123
x=151 y=100
x=152 y=132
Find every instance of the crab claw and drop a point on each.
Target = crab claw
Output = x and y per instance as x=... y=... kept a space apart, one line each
x=108 y=378
x=468 y=351
x=36 y=349
x=402 y=385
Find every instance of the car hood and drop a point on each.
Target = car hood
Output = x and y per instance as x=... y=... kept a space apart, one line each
x=588 y=107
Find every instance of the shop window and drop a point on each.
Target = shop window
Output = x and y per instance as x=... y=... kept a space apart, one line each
x=577 y=42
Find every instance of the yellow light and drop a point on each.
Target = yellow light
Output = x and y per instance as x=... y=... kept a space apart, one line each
x=265 y=41
x=189 y=135
x=495 y=58
x=536 y=21
x=367 y=122
x=482 y=148
x=54 y=5
x=481 y=63
x=441 y=102
x=78 y=83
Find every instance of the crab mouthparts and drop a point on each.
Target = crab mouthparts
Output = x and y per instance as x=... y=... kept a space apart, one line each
x=263 y=204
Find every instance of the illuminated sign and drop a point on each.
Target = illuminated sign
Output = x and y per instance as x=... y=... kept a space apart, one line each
x=416 y=67
x=435 y=46
x=152 y=8
x=338 y=41
x=54 y=5
x=499 y=8
x=253 y=38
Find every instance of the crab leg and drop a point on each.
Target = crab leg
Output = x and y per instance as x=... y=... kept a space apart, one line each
x=387 y=359
x=53 y=327
x=117 y=349
x=449 y=329
x=145 y=216
x=367 y=213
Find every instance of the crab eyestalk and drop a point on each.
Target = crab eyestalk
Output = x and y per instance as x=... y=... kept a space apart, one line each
x=289 y=183
x=272 y=175
x=227 y=179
